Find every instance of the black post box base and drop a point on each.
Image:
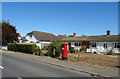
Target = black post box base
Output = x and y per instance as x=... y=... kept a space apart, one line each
x=64 y=58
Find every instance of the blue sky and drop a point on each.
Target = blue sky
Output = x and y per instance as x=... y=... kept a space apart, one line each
x=83 y=18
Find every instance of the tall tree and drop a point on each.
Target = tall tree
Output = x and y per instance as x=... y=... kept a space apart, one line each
x=9 y=34
x=0 y=34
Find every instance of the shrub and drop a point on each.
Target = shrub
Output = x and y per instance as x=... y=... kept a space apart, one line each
x=71 y=49
x=45 y=48
x=37 y=47
x=110 y=52
x=76 y=51
x=26 y=48
x=38 y=51
x=54 y=49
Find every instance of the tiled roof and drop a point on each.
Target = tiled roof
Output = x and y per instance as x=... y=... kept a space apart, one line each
x=44 y=36
x=18 y=34
x=101 y=38
x=61 y=36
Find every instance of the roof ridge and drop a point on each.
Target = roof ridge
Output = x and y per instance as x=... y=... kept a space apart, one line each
x=42 y=32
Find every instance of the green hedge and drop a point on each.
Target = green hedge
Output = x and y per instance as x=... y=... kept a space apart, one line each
x=11 y=46
x=26 y=48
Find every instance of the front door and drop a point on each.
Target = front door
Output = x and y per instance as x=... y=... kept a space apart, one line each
x=85 y=45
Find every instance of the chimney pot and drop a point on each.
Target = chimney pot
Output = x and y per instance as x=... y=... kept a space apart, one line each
x=74 y=34
x=108 y=32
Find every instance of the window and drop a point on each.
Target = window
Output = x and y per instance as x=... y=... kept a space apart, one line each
x=69 y=44
x=31 y=41
x=75 y=44
x=117 y=45
x=93 y=44
x=105 y=45
x=30 y=35
x=79 y=44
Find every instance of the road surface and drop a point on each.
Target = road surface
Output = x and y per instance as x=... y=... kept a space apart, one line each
x=20 y=67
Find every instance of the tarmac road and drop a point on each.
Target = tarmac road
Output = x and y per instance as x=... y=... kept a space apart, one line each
x=19 y=67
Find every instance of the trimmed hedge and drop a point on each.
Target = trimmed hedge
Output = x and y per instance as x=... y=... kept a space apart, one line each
x=11 y=46
x=26 y=48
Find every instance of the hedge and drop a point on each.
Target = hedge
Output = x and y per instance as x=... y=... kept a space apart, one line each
x=11 y=46
x=26 y=48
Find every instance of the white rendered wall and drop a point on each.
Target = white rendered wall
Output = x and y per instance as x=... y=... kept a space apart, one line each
x=31 y=39
x=42 y=44
x=99 y=48
x=75 y=47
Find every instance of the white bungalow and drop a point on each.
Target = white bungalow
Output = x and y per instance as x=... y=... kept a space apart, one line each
x=97 y=44
x=41 y=39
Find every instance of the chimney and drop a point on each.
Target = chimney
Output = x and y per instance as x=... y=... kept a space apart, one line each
x=74 y=34
x=108 y=32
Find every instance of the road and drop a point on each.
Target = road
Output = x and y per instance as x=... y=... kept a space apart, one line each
x=20 y=67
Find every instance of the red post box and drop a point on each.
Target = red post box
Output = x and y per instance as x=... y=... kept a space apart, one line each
x=64 y=51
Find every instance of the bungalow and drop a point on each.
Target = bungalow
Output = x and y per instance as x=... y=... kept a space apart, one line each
x=24 y=40
x=40 y=38
x=97 y=44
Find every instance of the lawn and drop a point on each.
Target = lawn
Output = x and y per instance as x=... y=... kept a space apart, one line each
x=95 y=60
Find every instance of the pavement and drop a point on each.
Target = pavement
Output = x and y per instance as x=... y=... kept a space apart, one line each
x=66 y=65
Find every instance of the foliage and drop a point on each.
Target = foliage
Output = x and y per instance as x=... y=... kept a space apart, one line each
x=9 y=34
x=71 y=49
x=38 y=51
x=0 y=33
x=54 y=49
x=26 y=48
x=70 y=35
x=45 y=48
x=110 y=52
x=37 y=47
x=11 y=46
x=76 y=51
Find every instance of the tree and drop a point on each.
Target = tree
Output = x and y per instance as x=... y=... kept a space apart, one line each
x=0 y=34
x=9 y=34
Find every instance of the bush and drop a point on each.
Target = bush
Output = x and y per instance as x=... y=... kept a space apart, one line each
x=38 y=51
x=37 y=47
x=26 y=48
x=76 y=51
x=110 y=52
x=11 y=46
x=45 y=48
x=54 y=49
x=72 y=50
